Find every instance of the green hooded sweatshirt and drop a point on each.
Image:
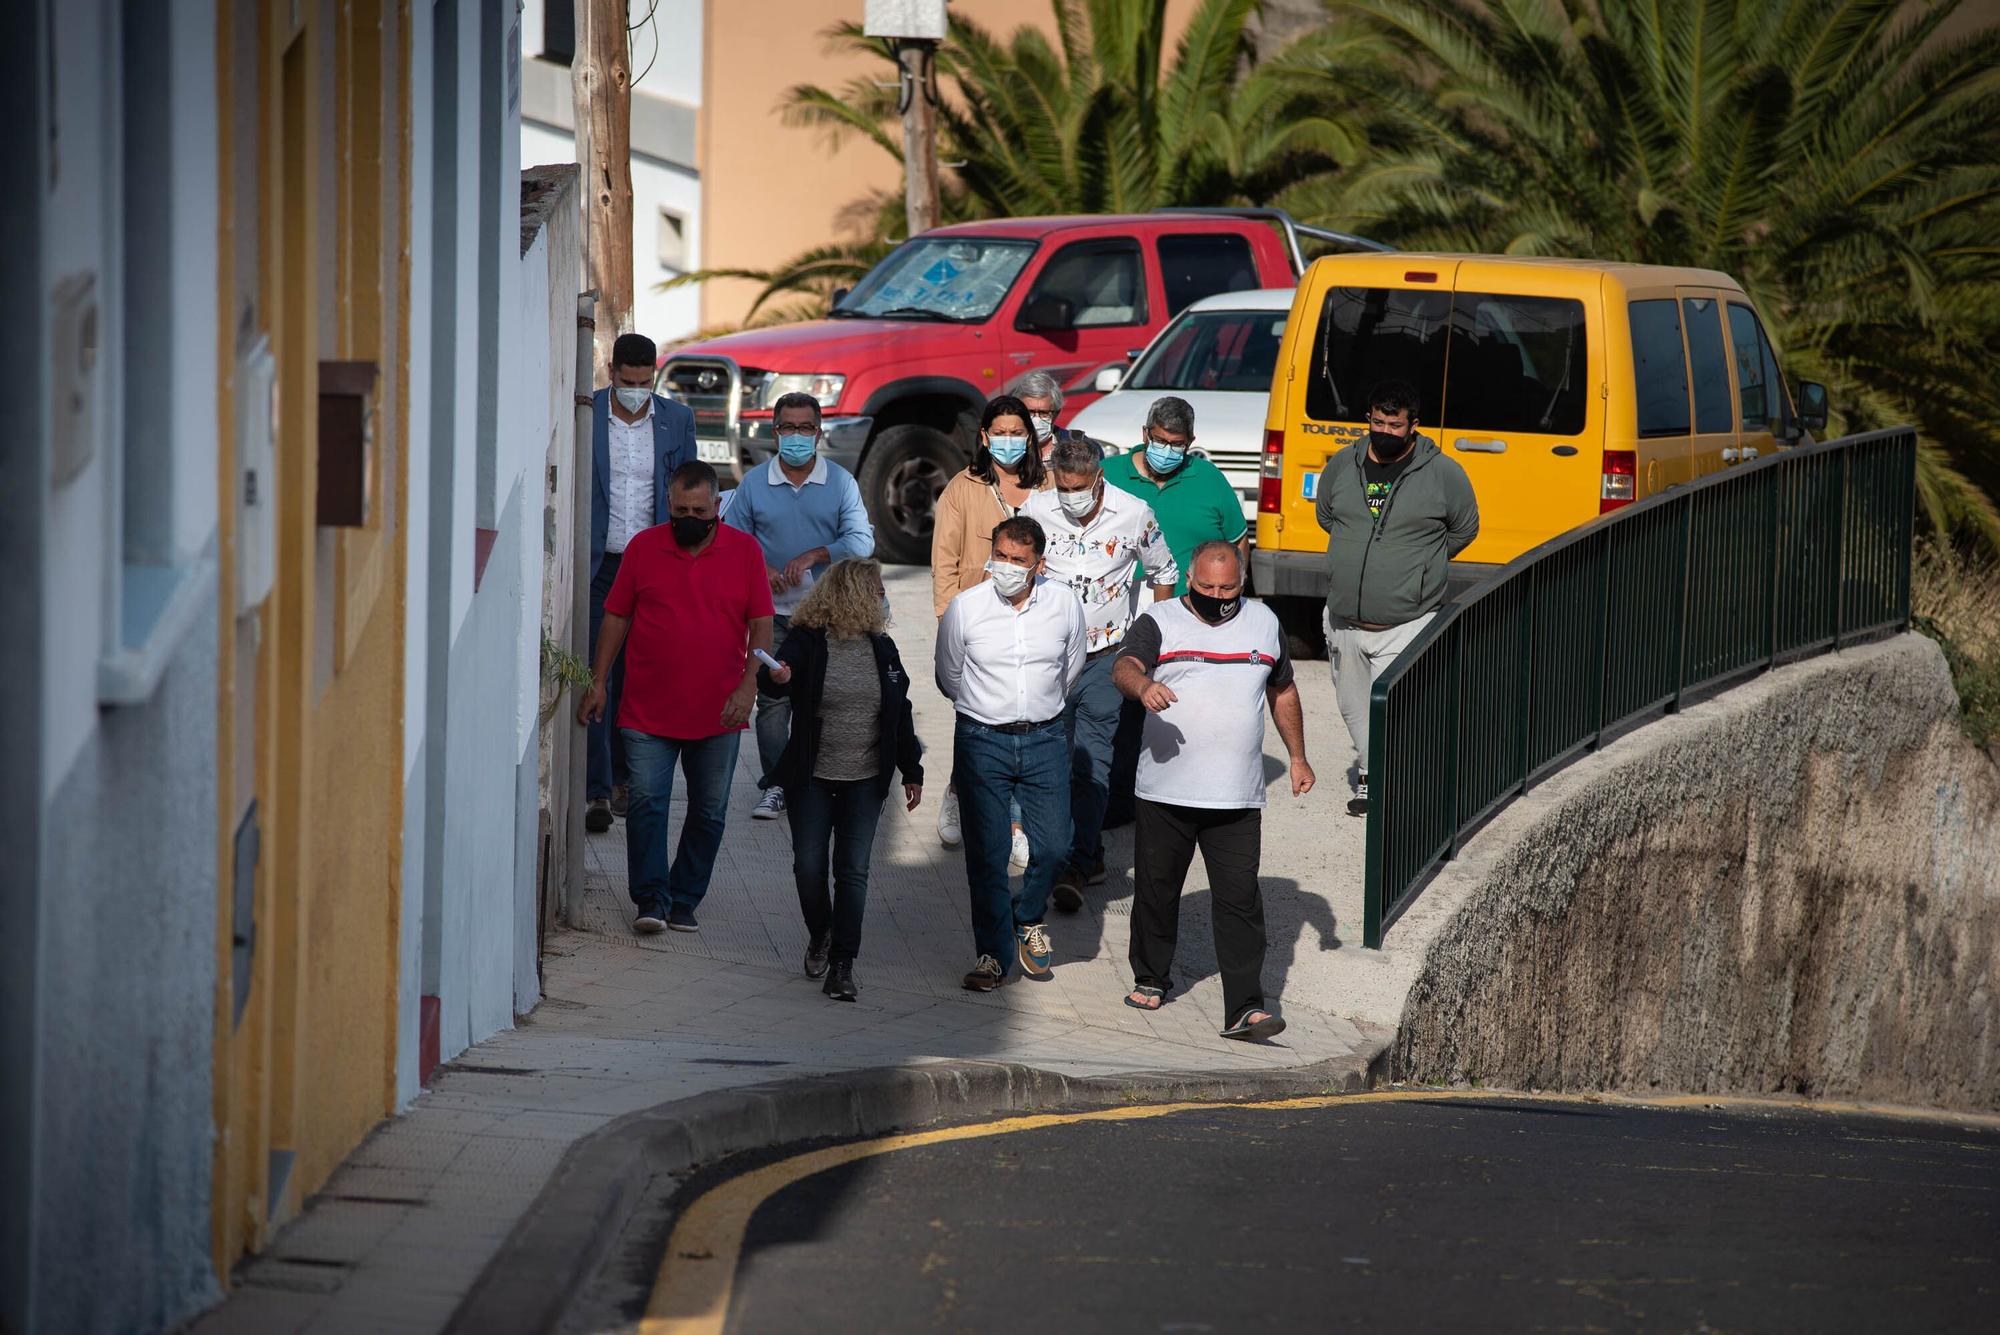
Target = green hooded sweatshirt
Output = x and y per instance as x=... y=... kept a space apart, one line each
x=1390 y=569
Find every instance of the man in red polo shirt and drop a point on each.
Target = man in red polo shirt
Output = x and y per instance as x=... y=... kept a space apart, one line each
x=695 y=602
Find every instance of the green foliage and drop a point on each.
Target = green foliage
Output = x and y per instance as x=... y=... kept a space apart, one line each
x=561 y=671
x=1837 y=157
x=1105 y=120
x=1956 y=601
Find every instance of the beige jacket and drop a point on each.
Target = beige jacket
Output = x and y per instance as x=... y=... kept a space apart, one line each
x=967 y=512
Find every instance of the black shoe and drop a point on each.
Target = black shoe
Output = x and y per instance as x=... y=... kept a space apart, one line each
x=1067 y=895
x=597 y=816
x=1358 y=804
x=816 y=956
x=840 y=980
x=620 y=800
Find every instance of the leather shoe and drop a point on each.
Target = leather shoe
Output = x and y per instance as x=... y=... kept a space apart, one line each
x=840 y=980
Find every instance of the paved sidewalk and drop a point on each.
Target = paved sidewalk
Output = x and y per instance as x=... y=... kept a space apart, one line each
x=405 y=1226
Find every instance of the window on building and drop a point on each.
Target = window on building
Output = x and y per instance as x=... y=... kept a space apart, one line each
x=1103 y=282
x=672 y=241
x=1710 y=364
x=1193 y=267
x=1516 y=364
x=559 y=31
x=1659 y=368
x=1370 y=334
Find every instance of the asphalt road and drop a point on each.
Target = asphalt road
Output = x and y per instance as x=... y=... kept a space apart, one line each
x=1470 y=1213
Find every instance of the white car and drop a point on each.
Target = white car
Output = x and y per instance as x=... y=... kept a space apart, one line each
x=1218 y=354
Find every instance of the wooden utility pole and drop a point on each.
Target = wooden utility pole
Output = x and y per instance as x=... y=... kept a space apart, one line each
x=917 y=100
x=601 y=83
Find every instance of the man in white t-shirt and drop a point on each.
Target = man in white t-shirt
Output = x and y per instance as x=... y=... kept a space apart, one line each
x=1205 y=666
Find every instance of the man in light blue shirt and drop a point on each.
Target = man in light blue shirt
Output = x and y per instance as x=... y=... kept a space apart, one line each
x=805 y=511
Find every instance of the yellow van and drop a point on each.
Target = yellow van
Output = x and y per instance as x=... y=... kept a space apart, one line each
x=1567 y=388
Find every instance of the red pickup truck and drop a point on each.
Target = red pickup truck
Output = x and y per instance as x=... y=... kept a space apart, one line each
x=906 y=360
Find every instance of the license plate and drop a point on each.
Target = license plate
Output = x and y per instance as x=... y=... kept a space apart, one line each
x=1309 y=486
x=713 y=451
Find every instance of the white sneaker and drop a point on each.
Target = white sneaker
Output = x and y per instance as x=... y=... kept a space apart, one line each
x=949 y=833
x=770 y=806
x=1018 y=859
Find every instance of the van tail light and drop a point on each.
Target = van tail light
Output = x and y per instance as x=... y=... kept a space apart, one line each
x=1271 y=485
x=1621 y=469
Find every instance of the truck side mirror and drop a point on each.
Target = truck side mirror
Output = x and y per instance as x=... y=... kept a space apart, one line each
x=1047 y=313
x=1812 y=405
x=1109 y=379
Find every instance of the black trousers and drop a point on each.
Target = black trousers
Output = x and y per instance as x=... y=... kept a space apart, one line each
x=1230 y=842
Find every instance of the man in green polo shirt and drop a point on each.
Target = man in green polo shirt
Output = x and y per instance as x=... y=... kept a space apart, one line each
x=1191 y=499
x=1194 y=504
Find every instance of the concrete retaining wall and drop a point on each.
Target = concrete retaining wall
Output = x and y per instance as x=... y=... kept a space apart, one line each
x=1792 y=888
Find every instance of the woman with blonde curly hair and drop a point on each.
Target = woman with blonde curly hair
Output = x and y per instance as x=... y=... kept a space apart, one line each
x=852 y=728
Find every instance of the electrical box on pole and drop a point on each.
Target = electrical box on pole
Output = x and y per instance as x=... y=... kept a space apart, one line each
x=915 y=27
x=916 y=20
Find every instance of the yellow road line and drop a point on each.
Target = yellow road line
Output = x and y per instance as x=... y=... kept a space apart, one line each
x=697 y=1276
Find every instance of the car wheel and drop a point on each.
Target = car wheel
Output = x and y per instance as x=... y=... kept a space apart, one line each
x=907 y=466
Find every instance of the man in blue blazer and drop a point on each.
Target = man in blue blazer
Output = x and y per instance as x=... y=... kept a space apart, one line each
x=637 y=440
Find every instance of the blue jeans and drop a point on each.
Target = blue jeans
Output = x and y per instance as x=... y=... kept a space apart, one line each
x=1092 y=716
x=774 y=716
x=994 y=770
x=707 y=763
x=604 y=749
x=844 y=812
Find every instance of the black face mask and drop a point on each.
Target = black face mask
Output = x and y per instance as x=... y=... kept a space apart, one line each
x=1389 y=448
x=690 y=531
x=1211 y=609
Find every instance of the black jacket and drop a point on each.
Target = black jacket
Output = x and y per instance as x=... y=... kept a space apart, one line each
x=804 y=650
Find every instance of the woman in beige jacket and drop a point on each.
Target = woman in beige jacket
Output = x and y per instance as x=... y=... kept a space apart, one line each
x=1006 y=469
x=987 y=491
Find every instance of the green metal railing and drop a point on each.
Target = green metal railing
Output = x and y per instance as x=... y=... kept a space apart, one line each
x=1609 y=624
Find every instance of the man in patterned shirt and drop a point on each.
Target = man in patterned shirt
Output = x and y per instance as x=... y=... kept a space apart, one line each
x=1106 y=545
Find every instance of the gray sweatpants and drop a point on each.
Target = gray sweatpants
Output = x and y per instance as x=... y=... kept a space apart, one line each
x=1357 y=658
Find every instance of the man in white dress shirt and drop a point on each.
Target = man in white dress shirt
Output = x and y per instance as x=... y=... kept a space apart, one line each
x=638 y=439
x=1101 y=542
x=1008 y=650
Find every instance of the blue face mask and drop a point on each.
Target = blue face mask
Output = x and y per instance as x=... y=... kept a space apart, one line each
x=1165 y=458
x=797 y=448
x=1007 y=450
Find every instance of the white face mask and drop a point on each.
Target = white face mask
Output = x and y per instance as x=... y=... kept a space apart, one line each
x=1044 y=426
x=633 y=399
x=1008 y=578
x=1077 y=504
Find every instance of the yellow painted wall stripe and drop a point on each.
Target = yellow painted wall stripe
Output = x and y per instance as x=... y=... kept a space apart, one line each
x=697 y=1276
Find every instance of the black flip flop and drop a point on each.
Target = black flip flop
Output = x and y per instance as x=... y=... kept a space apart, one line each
x=1270 y=1026
x=1147 y=990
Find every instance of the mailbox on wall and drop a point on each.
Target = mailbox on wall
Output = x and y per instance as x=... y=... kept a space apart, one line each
x=346 y=442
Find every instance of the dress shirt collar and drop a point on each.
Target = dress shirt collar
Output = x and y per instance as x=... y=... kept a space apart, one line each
x=644 y=417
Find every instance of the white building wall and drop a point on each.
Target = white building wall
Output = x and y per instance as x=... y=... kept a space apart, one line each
x=666 y=60
x=123 y=900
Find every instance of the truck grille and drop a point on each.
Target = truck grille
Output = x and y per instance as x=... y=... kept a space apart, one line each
x=703 y=385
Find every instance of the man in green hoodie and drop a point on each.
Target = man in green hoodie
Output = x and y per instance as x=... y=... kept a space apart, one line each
x=1396 y=509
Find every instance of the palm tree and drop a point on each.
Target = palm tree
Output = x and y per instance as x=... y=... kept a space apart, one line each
x=1100 y=121
x=1840 y=158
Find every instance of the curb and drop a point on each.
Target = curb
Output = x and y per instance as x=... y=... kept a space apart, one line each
x=567 y=1232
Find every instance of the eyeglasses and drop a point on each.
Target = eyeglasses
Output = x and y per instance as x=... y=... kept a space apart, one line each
x=1155 y=441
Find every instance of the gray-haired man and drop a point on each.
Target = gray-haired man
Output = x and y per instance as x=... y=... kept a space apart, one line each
x=1107 y=547
x=1042 y=395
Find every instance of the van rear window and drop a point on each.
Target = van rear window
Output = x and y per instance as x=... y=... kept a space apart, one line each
x=1515 y=364
x=1369 y=334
